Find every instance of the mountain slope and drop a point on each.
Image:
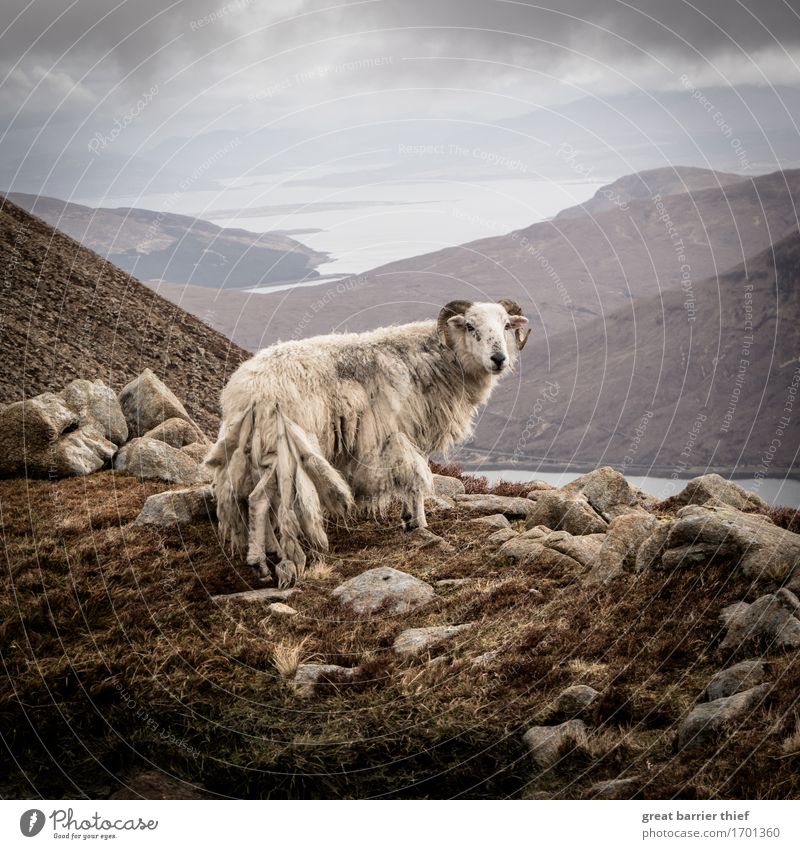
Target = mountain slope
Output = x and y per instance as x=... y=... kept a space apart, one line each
x=67 y=313
x=166 y=246
x=662 y=385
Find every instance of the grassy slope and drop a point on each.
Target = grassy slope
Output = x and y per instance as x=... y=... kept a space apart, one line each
x=115 y=660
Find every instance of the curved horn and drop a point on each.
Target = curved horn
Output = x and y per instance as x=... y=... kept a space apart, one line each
x=447 y=312
x=513 y=308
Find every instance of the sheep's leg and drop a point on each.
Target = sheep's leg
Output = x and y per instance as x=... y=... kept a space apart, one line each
x=414 y=512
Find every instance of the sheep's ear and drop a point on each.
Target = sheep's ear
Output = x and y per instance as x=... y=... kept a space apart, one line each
x=453 y=310
x=517 y=320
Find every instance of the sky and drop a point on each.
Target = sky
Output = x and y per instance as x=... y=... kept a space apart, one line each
x=158 y=90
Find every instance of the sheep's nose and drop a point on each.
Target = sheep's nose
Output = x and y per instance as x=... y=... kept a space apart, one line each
x=498 y=359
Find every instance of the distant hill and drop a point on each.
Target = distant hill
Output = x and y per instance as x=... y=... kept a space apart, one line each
x=178 y=248
x=66 y=313
x=659 y=385
x=646 y=184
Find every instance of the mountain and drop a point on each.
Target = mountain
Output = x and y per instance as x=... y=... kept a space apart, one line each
x=68 y=313
x=679 y=382
x=165 y=246
x=647 y=184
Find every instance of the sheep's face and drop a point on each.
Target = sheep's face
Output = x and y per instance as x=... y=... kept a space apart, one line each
x=485 y=337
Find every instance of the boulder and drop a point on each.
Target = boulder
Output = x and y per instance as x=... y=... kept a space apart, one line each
x=648 y=555
x=147 y=402
x=42 y=437
x=760 y=548
x=585 y=549
x=622 y=540
x=446 y=487
x=196 y=450
x=537 y=486
x=178 y=433
x=576 y=699
x=607 y=491
x=309 y=679
x=150 y=458
x=487 y=658
x=565 y=511
x=526 y=551
x=179 y=507
x=547 y=742
x=496 y=520
x=773 y=618
x=416 y=640
x=96 y=404
x=501 y=536
x=481 y=505
x=708 y=720
x=734 y=679
x=384 y=588
x=719 y=491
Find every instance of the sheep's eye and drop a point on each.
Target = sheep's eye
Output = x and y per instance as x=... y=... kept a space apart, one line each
x=508 y=327
x=470 y=327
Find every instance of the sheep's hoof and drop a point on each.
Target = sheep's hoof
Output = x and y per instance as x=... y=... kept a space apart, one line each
x=423 y=538
x=286 y=573
x=262 y=566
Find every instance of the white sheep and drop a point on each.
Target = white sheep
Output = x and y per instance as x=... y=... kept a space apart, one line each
x=317 y=426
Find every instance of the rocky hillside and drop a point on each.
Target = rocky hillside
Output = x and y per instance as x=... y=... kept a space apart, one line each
x=156 y=246
x=65 y=312
x=582 y=642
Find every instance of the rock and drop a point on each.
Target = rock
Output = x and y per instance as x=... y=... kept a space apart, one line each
x=267 y=595
x=501 y=536
x=150 y=458
x=710 y=719
x=585 y=549
x=281 y=610
x=42 y=437
x=648 y=555
x=487 y=658
x=546 y=742
x=481 y=505
x=446 y=487
x=96 y=404
x=196 y=450
x=614 y=788
x=453 y=583
x=720 y=491
x=415 y=640
x=384 y=588
x=735 y=678
x=576 y=699
x=565 y=511
x=699 y=535
x=495 y=520
x=537 y=486
x=309 y=677
x=772 y=618
x=147 y=401
x=527 y=552
x=618 y=552
x=440 y=502
x=178 y=433
x=607 y=491
x=425 y=538
x=179 y=507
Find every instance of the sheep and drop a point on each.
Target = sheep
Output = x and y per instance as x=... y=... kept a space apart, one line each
x=319 y=426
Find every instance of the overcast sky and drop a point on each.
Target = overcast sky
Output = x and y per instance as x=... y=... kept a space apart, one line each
x=73 y=71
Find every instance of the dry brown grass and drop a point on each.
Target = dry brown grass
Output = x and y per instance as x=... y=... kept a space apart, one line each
x=116 y=659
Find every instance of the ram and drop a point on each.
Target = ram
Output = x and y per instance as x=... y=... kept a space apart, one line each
x=324 y=425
